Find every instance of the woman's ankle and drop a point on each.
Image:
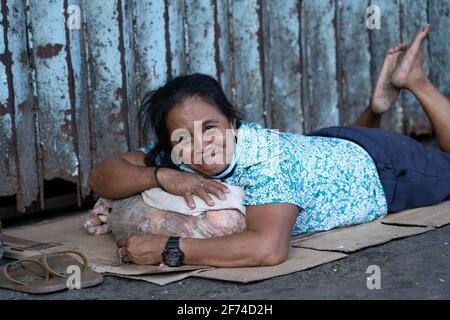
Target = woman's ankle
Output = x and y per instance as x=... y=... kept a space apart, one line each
x=421 y=82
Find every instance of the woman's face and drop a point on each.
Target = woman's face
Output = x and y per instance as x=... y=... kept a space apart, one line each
x=201 y=136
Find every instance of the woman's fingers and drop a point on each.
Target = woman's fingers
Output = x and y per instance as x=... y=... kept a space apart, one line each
x=220 y=185
x=215 y=190
x=202 y=187
x=201 y=193
x=223 y=188
x=189 y=199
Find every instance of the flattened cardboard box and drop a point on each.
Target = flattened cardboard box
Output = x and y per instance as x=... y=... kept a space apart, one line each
x=309 y=250
x=433 y=216
x=354 y=238
x=67 y=232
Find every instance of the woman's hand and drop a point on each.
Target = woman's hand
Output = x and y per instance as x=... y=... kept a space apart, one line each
x=145 y=249
x=186 y=184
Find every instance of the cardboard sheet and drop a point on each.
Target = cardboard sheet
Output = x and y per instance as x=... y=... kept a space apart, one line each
x=432 y=216
x=357 y=237
x=161 y=278
x=68 y=232
x=299 y=259
x=308 y=250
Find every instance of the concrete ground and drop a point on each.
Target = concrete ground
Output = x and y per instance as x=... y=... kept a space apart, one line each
x=417 y=267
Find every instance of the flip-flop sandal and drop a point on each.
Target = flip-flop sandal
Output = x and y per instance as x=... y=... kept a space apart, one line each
x=19 y=276
x=58 y=262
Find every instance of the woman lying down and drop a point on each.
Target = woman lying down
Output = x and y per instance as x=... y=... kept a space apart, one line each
x=293 y=183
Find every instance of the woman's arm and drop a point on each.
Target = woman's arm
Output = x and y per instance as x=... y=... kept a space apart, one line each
x=265 y=242
x=125 y=175
x=121 y=176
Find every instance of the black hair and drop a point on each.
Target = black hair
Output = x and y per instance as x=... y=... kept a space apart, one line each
x=156 y=104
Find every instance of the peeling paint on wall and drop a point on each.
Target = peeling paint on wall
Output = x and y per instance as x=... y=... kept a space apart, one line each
x=69 y=98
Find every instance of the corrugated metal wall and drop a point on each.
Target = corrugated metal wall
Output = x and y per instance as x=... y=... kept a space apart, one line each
x=69 y=96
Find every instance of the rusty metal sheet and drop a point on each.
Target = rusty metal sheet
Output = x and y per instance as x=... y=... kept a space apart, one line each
x=248 y=60
x=286 y=69
x=108 y=88
x=319 y=60
x=201 y=50
x=78 y=89
x=414 y=16
x=381 y=40
x=25 y=120
x=224 y=48
x=354 y=60
x=175 y=12
x=57 y=134
x=151 y=44
x=128 y=65
x=296 y=67
x=8 y=157
x=152 y=48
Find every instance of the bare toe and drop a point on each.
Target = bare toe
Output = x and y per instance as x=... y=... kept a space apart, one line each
x=401 y=47
x=385 y=94
x=410 y=67
x=420 y=36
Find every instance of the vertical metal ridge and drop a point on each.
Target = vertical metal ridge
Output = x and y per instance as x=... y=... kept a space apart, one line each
x=71 y=87
x=6 y=58
x=217 y=32
x=302 y=69
x=123 y=68
x=337 y=34
x=262 y=61
x=167 y=42
x=232 y=55
x=33 y=84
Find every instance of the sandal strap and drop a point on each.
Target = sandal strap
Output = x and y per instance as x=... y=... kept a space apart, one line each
x=74 y=251
x=7 y=268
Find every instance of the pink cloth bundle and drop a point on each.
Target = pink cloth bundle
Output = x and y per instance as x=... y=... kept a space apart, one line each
x=158 y=212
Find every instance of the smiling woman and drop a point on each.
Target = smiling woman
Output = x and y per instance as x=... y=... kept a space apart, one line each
x=294 y=184
x=194 y=104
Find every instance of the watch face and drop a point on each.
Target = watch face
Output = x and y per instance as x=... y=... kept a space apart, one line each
x=172 y=257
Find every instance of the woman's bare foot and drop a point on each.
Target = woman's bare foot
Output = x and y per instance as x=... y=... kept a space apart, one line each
x=409 y=72
x=385 y=93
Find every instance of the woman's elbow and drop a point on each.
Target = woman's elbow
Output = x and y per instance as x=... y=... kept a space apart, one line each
x=272 y=255
x=94 y=181
x=274 y=259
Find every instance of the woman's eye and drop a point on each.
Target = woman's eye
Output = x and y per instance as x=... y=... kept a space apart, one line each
x=209 y=127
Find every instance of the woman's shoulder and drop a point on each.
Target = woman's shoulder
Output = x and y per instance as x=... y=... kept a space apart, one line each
x=242 y=124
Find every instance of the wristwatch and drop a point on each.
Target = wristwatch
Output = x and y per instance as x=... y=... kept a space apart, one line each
x=173 y=256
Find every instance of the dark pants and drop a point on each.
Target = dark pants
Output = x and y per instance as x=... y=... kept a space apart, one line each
x=412 y=174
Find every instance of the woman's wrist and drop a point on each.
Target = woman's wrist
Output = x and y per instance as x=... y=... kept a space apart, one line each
x=157 y=180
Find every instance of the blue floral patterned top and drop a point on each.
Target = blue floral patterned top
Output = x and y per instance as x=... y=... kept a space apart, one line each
x=334 y=182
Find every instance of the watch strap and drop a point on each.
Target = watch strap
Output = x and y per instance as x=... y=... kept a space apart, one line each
x=173 y=242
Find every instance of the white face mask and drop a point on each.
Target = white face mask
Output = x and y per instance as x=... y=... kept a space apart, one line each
x=236 y=155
